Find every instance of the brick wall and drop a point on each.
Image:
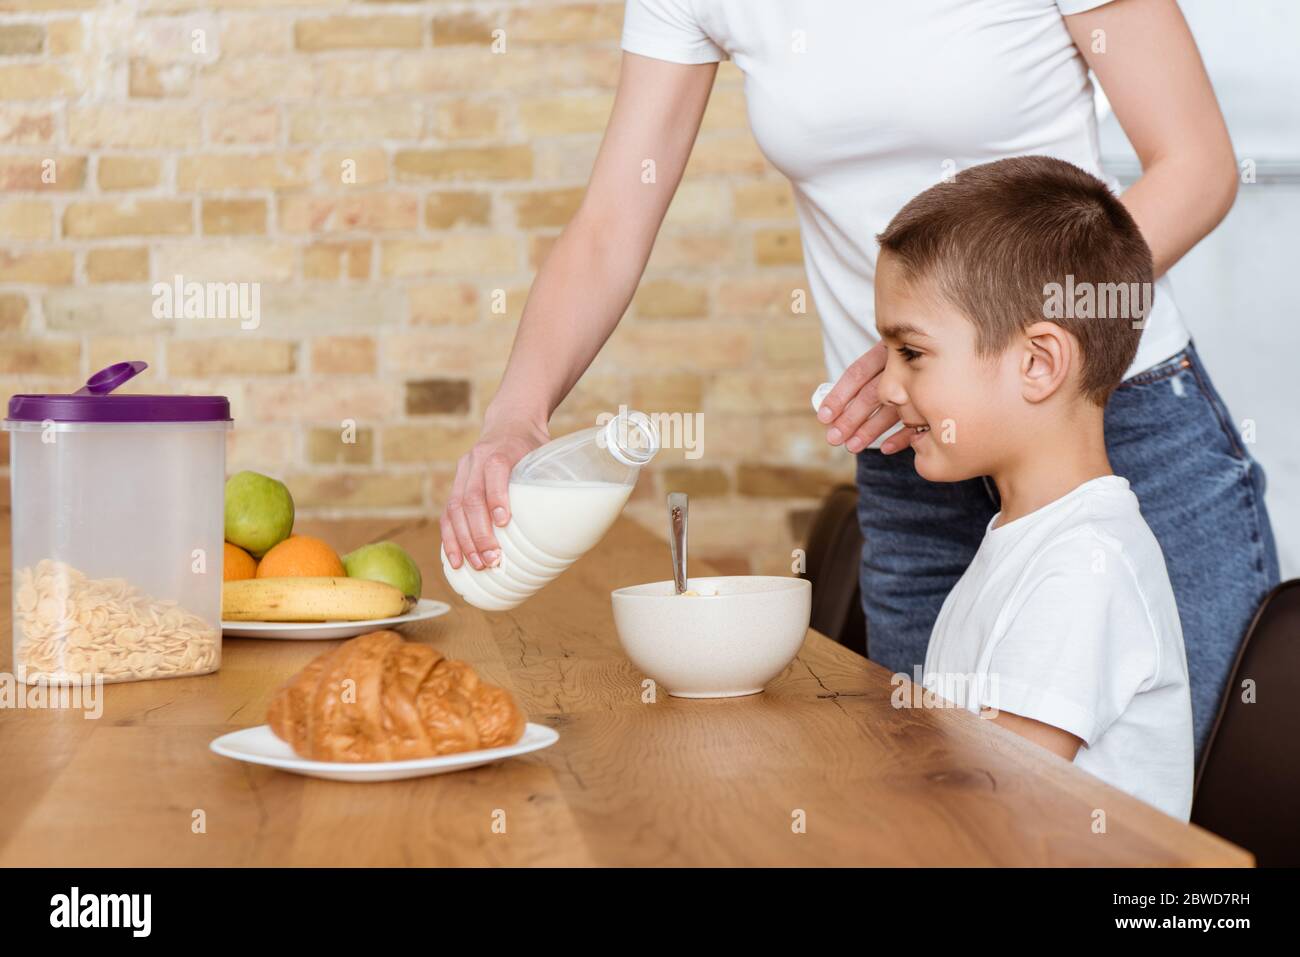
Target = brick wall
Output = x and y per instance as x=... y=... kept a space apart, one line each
x=391 y=185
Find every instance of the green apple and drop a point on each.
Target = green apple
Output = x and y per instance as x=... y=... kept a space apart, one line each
x=385 y=562
x=259 y=512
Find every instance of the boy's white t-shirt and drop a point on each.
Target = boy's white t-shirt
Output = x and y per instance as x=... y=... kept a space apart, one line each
x=864 y=103
x=1066 y=615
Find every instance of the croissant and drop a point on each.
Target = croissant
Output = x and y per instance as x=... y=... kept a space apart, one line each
x=377 y=697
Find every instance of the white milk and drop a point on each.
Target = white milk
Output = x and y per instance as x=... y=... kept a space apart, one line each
x=552 y=525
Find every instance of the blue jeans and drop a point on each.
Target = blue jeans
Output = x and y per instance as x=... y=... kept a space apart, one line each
x=1200 y=490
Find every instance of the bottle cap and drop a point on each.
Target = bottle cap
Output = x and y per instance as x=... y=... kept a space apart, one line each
x=820 y=395
x=618 y=440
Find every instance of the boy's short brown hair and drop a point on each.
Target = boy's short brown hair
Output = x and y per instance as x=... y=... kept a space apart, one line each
x=1020 y=240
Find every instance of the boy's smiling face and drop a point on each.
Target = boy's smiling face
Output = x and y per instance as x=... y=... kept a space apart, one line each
x=934 y=379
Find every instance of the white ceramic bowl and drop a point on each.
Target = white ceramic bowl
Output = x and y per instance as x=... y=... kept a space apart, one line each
x=714 y=646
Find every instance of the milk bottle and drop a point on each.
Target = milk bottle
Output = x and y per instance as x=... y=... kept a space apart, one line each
x=564 y=496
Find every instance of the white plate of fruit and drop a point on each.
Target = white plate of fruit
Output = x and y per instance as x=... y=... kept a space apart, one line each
x=280 y=584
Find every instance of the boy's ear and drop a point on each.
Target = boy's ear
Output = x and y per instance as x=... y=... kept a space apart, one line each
x=1048 y=356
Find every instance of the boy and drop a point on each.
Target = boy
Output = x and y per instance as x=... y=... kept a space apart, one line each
x=1011 y=301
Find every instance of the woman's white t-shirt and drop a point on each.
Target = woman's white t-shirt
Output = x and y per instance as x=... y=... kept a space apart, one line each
x=864 y=104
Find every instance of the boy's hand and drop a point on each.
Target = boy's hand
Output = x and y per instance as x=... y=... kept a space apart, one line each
x=853 y=412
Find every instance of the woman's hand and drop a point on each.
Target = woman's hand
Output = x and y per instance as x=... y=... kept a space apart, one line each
x=480 y=496
x=853 y=412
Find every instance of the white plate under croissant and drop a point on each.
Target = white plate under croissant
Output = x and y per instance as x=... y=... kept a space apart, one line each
x=260 y=746
x=380 y=708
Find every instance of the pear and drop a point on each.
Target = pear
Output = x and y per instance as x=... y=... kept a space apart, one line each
x=385 y=562
x=259 y=512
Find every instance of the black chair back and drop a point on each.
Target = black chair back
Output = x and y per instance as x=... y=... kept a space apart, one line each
x=834 y=559
x=1248 y=784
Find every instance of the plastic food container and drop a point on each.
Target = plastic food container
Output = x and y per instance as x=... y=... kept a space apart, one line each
x=117 y=532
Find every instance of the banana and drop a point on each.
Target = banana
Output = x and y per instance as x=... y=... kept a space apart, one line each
x=309 y=599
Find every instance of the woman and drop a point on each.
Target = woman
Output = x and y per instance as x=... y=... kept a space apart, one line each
x=863 y=105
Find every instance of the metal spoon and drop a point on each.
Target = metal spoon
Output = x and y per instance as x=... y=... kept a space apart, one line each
x=677 y=537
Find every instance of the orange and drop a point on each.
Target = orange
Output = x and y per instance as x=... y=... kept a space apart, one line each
x=237 y=564
x=301 y=556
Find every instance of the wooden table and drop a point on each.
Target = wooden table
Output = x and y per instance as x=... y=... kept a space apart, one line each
x=676 y=782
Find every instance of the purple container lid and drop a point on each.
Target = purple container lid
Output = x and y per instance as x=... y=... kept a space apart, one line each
x=93 y=402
